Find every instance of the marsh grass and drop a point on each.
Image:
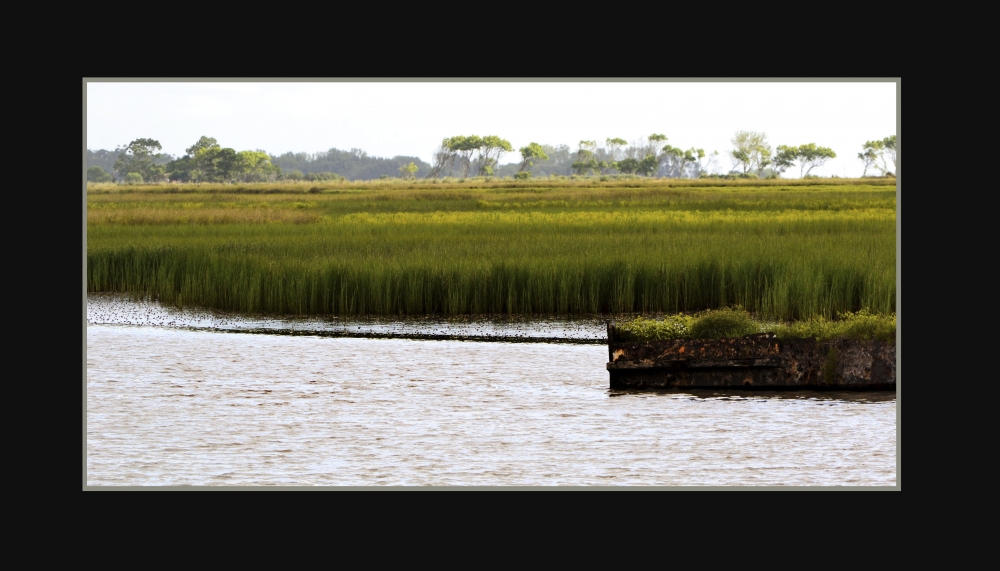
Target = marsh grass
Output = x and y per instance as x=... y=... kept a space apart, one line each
x=475 y=183
x=781 y=251
x=736 y=322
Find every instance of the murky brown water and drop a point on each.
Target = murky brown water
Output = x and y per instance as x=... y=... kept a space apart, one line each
x=172 y=406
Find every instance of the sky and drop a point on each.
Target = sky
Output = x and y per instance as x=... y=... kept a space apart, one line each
x=410 y=118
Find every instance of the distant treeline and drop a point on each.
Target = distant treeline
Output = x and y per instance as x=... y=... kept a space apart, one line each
x=464 y=156
x=354 y=164
x=207 y=161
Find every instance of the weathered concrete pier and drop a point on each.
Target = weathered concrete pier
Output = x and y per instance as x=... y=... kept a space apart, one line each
x=753 y=362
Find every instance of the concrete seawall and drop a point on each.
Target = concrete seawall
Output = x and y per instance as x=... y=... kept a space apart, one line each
x=752 y=362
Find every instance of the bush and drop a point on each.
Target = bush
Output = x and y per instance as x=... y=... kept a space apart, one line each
x=523 y=175
x=723 y=323
x=671 y=327
x=133 y=178
x=851 y=325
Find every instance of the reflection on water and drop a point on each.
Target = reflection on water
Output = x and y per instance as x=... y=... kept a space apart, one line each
x=176 y=406
x=109 y=309
x=750 y=395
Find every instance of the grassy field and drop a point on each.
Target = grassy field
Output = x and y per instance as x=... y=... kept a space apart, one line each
x=782 y=249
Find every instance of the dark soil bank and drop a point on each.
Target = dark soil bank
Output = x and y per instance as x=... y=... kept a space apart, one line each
x=756 y=361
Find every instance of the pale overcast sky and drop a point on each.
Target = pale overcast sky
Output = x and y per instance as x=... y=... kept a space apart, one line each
x=411 y=118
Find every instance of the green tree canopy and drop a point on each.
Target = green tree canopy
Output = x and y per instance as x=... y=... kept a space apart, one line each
x=253 y=166
x=491 y=148
x=138 y=158
x=811 y=156
x=585 y=160
x=203 y=143
x=97 y=174
x=464 y=148
x=680 y=160
x=529 y=154
x=750 y=151
x=869 y=155
x=649 y=165
x=628 y=165
x=784 y=158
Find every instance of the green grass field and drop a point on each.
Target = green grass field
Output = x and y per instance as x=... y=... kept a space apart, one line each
x=784 y=250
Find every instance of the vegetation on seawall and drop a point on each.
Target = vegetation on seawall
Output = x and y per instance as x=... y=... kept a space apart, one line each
x=736 y=322
x=783 y=249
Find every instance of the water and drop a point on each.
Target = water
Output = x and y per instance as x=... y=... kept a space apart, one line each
x=113 y=309
x=183 y=406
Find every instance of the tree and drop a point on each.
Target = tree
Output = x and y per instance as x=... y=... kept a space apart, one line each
x=104 y=159
x=679 y=160
x=181 y=169
x=444 y=155
x=654 y=143
x=138 y=158
x=529 y=154
x=203 y=143
x=253 y=165
x=97 y=174
x=811 y=156
x=646 y=155
x=217 y=164
x=889 y=148
x=615 y=152
x=491 y=148
x=649 y=165
x=351 y=165
x=206 y=161
x=707 y=162
x=464 y=147
x=133 y=178
x=784 y=159
x=869 y=155
x=751 y=151
x=585 y=158
x=195 y=165
x=408 y=170
x=628 y=165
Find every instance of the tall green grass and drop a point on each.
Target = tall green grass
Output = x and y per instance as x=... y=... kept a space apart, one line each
x=782 y=252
